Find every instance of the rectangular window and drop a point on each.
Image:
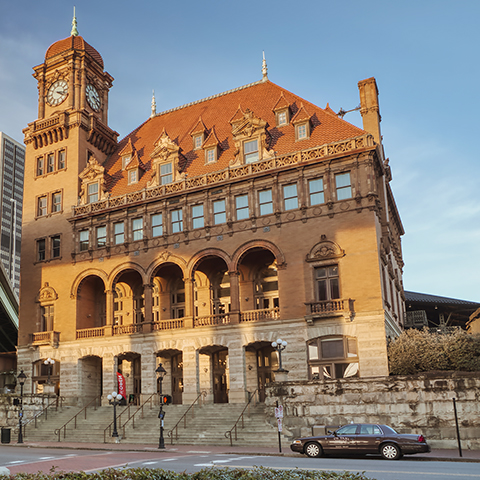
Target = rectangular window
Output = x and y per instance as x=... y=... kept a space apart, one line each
x=61 y=159
x=166 y=173
x=40 y=166
x=177 y=220
x=290 y=196
x=56 y=202
x=118 y=233
x=132 y=177
x=210 y=155
x=266 y=202
x=84 y=240
x=55 y=246
x=41 y=206
x=301 y=131
x=41 y=251
x=125 y=161
x=315 y=190
x=92 y=192
x=250 y=150
x=281 y=118
x=198 y=220
x=219 y=212
x=241 y=207
x=137 y=229
x=197 y=142
x=101 y=236
x=343 y=186
x=327 y=283
x=157 y=225
x=50 y=163
x=47 y=313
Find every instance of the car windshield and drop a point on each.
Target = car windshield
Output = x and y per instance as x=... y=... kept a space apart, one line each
x=388 y=430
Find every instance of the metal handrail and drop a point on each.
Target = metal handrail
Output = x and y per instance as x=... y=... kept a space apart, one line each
x=43 y=411
x=228 y=433
x=184 y=418
x=74 y=418
x=131 y=417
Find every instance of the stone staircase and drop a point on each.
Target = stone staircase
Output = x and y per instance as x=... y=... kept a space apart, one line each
x=207 y=426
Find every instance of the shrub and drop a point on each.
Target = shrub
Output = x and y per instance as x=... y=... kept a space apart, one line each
x=417 y=351
x=257 y=473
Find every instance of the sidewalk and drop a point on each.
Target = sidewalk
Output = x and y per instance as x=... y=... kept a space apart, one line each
x=434 y=455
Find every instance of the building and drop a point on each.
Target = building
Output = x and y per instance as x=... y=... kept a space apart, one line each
x=12 y=164
x=207 y=233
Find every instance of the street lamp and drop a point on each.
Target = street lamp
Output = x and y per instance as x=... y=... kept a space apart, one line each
x=161 y=372
x=21 y=377
x=49 y=362
x=114 y=399
x=279 y=346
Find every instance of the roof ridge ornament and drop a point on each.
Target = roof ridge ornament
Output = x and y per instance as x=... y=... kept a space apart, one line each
x=264 y=69
x=154 y=105
x=74 y=32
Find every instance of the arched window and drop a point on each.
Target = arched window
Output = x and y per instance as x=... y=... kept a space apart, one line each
x=332 y=357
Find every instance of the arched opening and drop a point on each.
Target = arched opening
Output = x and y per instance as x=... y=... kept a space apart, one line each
x=262 y=361
x=216 y=374
x=128 y=298
x=212 y=291
x=130 y=366
x=91 y=303
x=46 y=376
x=168 y=296
x=259 y=284
x=90 y=377
x=172 y=361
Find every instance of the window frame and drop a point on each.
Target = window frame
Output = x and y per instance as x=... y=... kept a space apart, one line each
x=56 y=207
x=61 y=159
x=157 y=228
x=40 y=166
x=262 y=204
x=254 y=155
x=137 y=229
x=198 y=221
x=132 y=176
x=210 y=155
x=56 y=249
x=242 y=208
x=293 y=199
x=176 y=223
x=281 y=118
x=42 y=210
x=117 y=234
x=90 y=194
x=101 y=236
x=312 y=194
x=41 y=253
x=219 y=216
x=197 y=141
x=339 y=189
x=302 y=131
x=84 y=243
x=329 y=280
x=50 y=162
x=163 y=176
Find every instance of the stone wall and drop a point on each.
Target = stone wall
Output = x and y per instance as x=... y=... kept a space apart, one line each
x=411 y=404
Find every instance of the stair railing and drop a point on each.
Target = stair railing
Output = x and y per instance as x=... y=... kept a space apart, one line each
x=184 y=417
x=131 y=417
x=228 y=434
x=44 y=411
x=74 y=418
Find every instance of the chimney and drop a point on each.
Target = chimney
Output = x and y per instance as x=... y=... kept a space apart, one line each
x=369 y=108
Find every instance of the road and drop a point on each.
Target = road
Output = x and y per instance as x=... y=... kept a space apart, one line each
x=31 y=460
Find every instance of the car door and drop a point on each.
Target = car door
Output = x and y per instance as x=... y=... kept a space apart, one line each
x=344 y=439
x=368 y=438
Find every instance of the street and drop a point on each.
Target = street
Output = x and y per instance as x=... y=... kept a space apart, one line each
x=31 y=460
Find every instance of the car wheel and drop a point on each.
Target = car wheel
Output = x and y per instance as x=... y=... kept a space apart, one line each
x=313 y=449
x=390 y=451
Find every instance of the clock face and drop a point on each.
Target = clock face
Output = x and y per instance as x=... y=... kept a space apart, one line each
x=57 y=92
x=93 y=97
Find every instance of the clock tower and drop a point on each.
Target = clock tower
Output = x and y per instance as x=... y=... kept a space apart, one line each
x=71 y=130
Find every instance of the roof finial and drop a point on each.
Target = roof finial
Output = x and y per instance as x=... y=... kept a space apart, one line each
x=74 y=31
x=264 y=69
x=154 y=105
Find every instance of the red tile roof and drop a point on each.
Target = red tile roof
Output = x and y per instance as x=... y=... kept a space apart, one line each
x=73 y=42
x=216 y=113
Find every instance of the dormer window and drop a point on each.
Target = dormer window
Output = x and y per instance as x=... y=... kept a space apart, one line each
x=302 y=131
x=126 y=159
x=210 y=155
x=282 y=118
x=132 y=176
x=166 y=175
x=92 y=192
x=197 y=141
x=250 y=150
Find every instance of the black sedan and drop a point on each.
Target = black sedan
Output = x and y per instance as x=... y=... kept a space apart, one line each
x=362 y=439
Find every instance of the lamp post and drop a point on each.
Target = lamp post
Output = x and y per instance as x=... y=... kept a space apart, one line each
x=161 y=372
x=49 y=362
x=21 y=377
x=114 y=399
x=279 y=346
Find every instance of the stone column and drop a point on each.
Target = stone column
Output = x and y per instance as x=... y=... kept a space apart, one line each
x=190 y=375
x=147 y=307
x=110 y=368
x=236 y=362
x=234 y=297
x=189 y=302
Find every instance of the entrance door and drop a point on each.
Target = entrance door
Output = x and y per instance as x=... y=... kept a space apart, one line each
x=219 y=367
x=137 y=379
x=264 y=370
x=177 y=378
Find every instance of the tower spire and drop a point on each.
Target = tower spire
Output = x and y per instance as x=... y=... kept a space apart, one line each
x=264 y=69
x=154 y=105
x=74 y=31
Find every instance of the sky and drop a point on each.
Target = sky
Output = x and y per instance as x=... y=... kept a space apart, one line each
x=423 y=54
